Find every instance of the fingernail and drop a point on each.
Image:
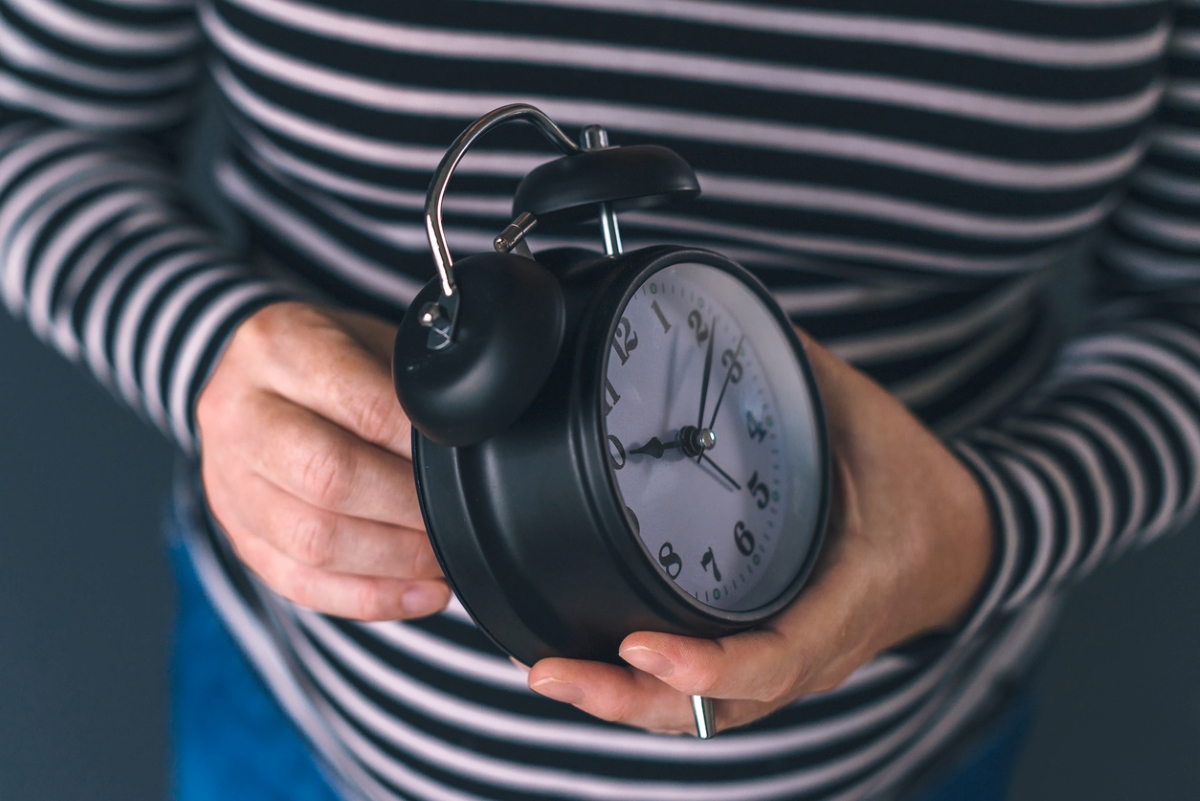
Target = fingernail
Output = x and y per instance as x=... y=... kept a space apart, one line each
x=521 y=665
x=423 y=600
x=559 y=691
x=653 y=662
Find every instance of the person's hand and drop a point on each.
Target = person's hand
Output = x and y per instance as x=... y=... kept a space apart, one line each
x=306 y=464
x=908 y=548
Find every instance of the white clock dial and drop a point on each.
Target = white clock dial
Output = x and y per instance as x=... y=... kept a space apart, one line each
x=711 y=437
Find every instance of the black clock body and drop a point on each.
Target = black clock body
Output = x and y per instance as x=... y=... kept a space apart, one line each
x=528 y=525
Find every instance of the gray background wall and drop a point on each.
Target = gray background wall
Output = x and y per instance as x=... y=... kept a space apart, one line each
x=85 y=609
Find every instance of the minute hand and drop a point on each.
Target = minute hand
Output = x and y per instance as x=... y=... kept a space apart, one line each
x=728 y=373
x=712 y=338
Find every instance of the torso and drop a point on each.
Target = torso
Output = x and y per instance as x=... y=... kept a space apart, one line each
x=903 y=175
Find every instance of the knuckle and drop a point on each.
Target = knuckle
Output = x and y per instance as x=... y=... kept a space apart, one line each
x=796 y=674
x=268 y=570
x=370 y=602
x=259 y=330
x=292 y=583
x=214 y=407
x=313 y=540
x=326 y=475
x=298 y=592
x=705 y=679
x=208 y=410
x=774 y=691
x=615 y=709
x=376 y=418
x=830 y=681
x=271 y=327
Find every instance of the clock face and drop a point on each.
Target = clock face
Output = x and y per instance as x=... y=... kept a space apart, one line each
x=712 y=438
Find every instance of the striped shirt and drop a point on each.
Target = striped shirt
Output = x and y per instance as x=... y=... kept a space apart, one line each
x=907 y=176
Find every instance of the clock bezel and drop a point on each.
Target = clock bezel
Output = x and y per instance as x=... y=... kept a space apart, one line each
x=594 y=374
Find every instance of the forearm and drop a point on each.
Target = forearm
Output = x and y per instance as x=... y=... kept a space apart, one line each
x=100 y=254
x=1104 y=455
x=1104 y=459
x=104 y=262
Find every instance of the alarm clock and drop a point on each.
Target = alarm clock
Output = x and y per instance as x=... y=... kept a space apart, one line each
x=611 y=442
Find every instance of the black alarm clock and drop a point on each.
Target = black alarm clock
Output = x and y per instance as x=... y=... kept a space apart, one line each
x=612 y=442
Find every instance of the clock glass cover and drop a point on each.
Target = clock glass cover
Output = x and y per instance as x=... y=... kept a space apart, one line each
x=712 y=438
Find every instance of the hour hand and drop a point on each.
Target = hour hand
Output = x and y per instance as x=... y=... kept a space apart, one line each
x=656 y=447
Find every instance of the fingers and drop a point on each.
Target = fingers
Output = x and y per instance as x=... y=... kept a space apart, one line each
x=756 y=665
x=322 y=539
x=377 y=336
x=614 y=693
x=318 y=364
x=356 y=597
x=632 y=697
x=750 y=674
x=814 y=645
x=326 y=466
x=811 y=647
x=304 y=455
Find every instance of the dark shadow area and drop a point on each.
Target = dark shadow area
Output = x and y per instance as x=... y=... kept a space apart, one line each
x=85 y=599
x=1119 y=694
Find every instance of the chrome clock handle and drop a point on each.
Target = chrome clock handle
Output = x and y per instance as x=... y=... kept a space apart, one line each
x=706 y=720
x=437 y=188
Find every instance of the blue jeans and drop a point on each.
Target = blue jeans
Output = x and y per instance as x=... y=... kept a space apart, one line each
x=232 y=742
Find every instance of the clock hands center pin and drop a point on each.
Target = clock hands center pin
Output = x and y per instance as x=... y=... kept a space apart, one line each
x=691 y=440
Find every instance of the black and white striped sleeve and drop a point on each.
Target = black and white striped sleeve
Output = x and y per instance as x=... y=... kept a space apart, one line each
x=1106 y=455
x=98 y=252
